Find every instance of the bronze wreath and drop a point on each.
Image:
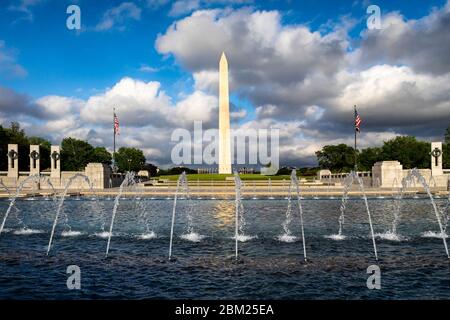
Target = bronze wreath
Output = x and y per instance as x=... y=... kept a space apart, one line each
x=34 y=155
x=55 y=156
x=436 y=152
x=13 y=155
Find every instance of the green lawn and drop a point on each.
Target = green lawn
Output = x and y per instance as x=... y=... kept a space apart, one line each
x=219 y=177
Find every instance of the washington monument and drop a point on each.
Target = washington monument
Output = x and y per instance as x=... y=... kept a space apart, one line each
x=224 y=118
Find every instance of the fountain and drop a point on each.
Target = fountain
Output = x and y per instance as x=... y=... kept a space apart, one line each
x=61 y=203
x=446 y=214
x=129 y=179
x=31 y=178
x=377 y=184
x=190 y=234
x=35 y=180
x=238 y=203
x=414 y=173
x=348 y=181
x=183 y=190
x=414 y=186
x=392 y=234
x=287 y=236
x=407 y=181
x=34 y=187
x=432 y=184
x=6 y=188
x=239 y=212
x=395 y=190
x=173 y=217
x=352 y=176
x=54 y=193
x=328 y=187
x=94 y=195
x=140 y=205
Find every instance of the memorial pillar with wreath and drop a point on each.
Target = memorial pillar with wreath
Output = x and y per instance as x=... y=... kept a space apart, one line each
x=436 y=159
x=55 y=161
x=13 y=161
x=35 y=160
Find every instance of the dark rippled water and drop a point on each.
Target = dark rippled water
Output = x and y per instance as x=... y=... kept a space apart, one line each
x=414 y=268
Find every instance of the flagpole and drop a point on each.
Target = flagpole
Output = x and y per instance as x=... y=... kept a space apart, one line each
x=356 y=167
x=114 y=139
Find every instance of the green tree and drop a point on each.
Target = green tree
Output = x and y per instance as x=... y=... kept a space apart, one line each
x=446 y=156
x=151 y=168
x=368 y=157
x=129 y=159
x=75 y=154
x=446 y=150
x=410 y=152
x=3 y=149
x=447 y=136
x=337 y=158
x=101 y=155
x=17 y=134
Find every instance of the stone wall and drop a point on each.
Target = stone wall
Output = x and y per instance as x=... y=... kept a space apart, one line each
x=387 y=174
x=98 y=174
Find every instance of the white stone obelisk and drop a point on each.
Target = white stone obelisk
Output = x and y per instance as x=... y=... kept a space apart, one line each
x=224 y=118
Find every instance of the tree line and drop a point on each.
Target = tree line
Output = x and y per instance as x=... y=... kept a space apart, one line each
x=409 y=151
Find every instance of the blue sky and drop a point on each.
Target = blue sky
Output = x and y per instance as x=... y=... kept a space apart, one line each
x=41 y=58
x=61 y=61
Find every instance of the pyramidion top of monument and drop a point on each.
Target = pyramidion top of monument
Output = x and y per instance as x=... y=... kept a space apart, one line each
x=223 y=58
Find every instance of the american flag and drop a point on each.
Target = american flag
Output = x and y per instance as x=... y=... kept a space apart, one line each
x=357 y=121
x=116 y=125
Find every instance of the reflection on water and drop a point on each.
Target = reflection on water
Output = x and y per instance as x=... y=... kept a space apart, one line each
x=223 y=212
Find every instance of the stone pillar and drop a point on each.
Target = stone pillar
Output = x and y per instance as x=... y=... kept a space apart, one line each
x=55 y=162
x=98 y=174
x=35 y=160
x=388 y=173
x=13 y=161
x=436 y=159
x=322 y=173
